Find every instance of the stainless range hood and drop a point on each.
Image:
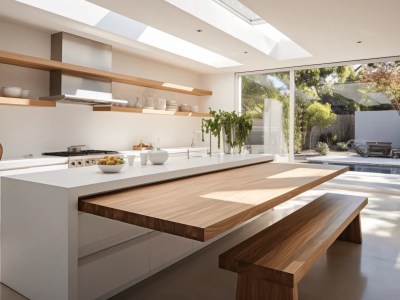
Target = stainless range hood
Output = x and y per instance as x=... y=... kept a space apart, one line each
x=76 y=50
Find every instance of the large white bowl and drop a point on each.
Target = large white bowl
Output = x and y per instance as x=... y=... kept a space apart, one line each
x=158 y=157
x=12 y=91
x=111 y=168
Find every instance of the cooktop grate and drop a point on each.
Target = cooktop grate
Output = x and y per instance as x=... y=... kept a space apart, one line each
x=81 y=153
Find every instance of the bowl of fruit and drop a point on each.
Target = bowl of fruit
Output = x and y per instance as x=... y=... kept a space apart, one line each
x=111 y=164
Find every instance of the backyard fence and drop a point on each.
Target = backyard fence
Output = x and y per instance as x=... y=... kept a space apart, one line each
x=343 y=128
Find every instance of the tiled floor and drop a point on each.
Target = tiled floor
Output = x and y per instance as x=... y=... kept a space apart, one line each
x=348 y=271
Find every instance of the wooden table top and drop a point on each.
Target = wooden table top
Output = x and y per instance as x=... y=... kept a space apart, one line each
x=201 y=207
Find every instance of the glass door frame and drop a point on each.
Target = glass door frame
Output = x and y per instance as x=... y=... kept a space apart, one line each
x=291 y=70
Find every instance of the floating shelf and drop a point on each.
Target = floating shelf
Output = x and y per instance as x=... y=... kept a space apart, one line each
x=149 y=111
x=71 y=69
x=26 y=102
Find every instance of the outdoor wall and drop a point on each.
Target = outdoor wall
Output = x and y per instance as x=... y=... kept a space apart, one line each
x=33 y=130
x=378 y=126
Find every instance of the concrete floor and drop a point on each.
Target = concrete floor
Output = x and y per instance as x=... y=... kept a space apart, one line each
x=348 y=271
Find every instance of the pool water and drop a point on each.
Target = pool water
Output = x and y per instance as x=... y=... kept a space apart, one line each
x=375 y=169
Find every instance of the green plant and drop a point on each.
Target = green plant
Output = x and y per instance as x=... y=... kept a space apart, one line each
x=341 y=146
x=236 y=127
x=328 y=138
x=322 y=148
x=212 y=126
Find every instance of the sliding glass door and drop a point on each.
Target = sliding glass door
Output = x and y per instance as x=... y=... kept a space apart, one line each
x=267 y=98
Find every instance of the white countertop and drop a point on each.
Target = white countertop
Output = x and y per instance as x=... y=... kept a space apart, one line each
x=93 y=180
x=21 y=163
x=45 y=160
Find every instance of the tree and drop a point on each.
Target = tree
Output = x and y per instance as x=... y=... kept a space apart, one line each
x=317 y=114
x=386 y=79
x=311 y=85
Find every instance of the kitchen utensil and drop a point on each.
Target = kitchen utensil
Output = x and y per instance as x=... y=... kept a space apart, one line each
x=76 y=148
x=143 y=158
x=158 y=157
x=111 y=168
x=12 y=91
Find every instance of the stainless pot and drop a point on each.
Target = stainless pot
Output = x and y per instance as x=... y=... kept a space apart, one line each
x=76 y=148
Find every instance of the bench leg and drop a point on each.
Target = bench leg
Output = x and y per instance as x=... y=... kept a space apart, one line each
x=249 y=288
x=352 y=233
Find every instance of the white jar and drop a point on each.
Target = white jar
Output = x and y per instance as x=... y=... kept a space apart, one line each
x=158 y=157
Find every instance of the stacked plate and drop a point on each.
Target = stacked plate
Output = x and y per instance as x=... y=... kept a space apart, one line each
x=172 y=105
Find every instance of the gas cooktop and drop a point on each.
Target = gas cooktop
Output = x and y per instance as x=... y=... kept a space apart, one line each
x=81 y=153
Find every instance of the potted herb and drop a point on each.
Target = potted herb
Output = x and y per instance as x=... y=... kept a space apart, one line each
x=235 y=128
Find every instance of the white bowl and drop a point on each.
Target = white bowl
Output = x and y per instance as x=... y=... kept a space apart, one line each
x=111 y=168
x=12 y=91
x=158 y=157
x=25 y=94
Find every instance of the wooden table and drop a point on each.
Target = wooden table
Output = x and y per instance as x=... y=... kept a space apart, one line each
x=202 y=207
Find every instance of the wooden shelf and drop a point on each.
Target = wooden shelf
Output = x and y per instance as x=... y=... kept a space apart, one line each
x=71 y=69
x=26 y=102
x=149 y=111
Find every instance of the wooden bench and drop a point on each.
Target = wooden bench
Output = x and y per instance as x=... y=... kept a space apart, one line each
x=271 y=263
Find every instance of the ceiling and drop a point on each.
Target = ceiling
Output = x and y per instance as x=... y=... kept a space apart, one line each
x=328 y=30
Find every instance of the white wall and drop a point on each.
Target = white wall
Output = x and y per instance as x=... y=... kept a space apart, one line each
x=32 y=130
x=378 y=126
x=223 y=97
x=223 y=88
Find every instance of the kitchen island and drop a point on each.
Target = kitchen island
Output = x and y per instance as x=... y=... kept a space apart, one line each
x=52 y=251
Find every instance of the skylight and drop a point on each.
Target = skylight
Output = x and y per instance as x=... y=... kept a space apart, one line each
x=224 y=15
x=101 y=18
x=241 y=11
x=78 y=10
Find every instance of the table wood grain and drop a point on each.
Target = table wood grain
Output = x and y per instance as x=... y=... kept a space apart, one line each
x=204 y=206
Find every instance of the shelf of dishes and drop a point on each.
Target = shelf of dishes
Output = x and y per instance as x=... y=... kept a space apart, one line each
x=150 y=111
x=26 y=102
x=22 y=60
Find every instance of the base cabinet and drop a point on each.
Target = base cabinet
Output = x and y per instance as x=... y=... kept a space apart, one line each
x=107 y=270
x=166 y=249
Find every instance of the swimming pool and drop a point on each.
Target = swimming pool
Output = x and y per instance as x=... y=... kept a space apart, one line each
x=361 y=164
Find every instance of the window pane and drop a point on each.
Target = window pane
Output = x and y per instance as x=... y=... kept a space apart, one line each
x=353 y=102
x=266 y=96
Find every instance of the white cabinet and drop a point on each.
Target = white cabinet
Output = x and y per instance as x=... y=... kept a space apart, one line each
x=108 y=270
x=98 y=233
x=165 y=249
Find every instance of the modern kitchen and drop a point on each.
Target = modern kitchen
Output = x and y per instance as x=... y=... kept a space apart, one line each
x=113 y=178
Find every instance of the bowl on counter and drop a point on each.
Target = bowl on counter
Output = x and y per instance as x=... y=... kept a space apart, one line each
x=110 y=164
x=158 y=157
x=12 y=91
x=111 y=168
